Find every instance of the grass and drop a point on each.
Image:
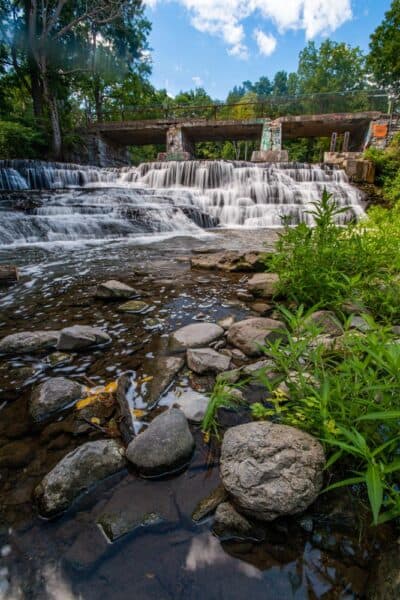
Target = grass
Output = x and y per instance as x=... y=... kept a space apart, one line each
x=222 y=396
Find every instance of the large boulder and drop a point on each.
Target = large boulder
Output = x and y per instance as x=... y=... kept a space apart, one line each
x=28 y=341
x=249 y=335
x=195 y=335
x=203 y=360
x=263 y=285
x=81 y=336
x=113 y=289
x=53 y=395
x=271 y=470
x=165 y=446
x=77 y=472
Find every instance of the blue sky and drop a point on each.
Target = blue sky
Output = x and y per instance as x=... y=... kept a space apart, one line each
x=219 y=43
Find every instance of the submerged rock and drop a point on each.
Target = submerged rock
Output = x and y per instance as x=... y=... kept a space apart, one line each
x=164 y=370
x=81 y=336
x=271 y=470
x=203 y=360
x=76 y=473
x=52 y=396
x=195 y=335
x=116 y=525
x=263 y=285
x=384 y=583
x=134 y=306
x=114 y=289
x=192 y=404
x=249 y=335
x=229 y=524
x=209 y=504
x=28 y=341
x=165 y=446
x=58 y=358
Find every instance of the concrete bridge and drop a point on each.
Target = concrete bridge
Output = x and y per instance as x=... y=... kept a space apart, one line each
x=359 y=129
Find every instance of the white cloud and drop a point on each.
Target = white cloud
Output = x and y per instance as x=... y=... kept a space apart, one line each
x=265 y=41
x=198 y=82
x=224 y=18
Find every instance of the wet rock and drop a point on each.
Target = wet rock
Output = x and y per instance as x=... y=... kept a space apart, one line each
x=163 y=370
x=203 y=360
x=134 y=306
x=117 y=525
x=76 y=473
x=271 y=470
x=16 y=454
x=228 y=260
x=192 y=404
x=58 y=358
x=195 y=335
x=226 y=322
x=229 y=524
x=113 y=289
x=209 y=504
x=81 y=336
x=251 y=334
x=28 y=341
x=8 y=274
x=262 y=308
x=90 y=546
x=153 y=324
x=244 y=296
x=263 y=285
x=52 y=396
x=165 y=446
x=384 y=583
x=230 y=377
x=326 y=321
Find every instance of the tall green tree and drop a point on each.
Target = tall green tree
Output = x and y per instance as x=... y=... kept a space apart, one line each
x=384 y=56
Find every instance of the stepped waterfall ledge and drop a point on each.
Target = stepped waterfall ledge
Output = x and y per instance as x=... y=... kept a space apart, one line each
x=66 y=202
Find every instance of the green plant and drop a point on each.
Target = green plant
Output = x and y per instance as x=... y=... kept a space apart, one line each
x=18 y=141
x=223 y=395
x=348 y=396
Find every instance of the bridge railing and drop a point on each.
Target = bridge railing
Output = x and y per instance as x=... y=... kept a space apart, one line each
x=267 y=107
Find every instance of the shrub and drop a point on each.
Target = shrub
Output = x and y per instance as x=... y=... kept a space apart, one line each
x=18 y=141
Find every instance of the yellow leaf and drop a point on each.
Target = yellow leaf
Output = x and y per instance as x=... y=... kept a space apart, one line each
x=137 y=412
x=95 y=420
x=110 y=388
x=86 y=402
x=145 y=379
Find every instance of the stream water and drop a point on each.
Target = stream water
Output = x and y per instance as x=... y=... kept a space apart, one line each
x=69 y=228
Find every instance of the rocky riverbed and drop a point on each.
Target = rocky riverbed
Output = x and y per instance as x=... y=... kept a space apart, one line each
x=108 y=487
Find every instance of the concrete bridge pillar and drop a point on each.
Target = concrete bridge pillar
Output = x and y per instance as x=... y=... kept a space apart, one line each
x=271 y=144
x=179 y=146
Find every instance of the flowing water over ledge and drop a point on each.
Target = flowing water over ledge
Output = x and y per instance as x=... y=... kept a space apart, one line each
x=139 y=226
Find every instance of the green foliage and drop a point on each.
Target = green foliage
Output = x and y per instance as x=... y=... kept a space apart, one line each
x=346 y=395
x=18 y=141
x=329 y=263
x=222 y=396
x=387 y=168
x=384 y=53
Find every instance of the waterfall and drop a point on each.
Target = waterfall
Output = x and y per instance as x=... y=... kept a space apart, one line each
x=90 y=203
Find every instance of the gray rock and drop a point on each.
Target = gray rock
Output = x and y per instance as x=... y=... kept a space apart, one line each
x=192 y=404
x=116 y=525
x=359 y=323
x=165 y=446
x=326 y=321
x=271 y=470
x=229 y=260
x=28 y=341
x=209 y=504
x=263 y=285
x=262 y=308
x=163 y=370
x=76 y=473
x=203 y=360
x=249 y=335
x=229 y=524
x=134 y=306
x=195 y=335
x=226 y=322
x=230 y=377
x=53 y=395
x=58 y=358
x=114 y=289
x=81 y=336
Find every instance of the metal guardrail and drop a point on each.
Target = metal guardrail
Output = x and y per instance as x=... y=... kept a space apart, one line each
x=267 y=107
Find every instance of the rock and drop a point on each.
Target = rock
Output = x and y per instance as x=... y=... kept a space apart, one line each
x=384 y=583
x=119 y=524
x=244 y=296
x=123 y=397
x=81 y=336
x=228 y=260
x=8 y=274
x=16 y=454
x=28 y=341
x=134 y=306
x=229 y=524
x=263 y=285
x=326 y=321
x=195 y=335
x=209 y=504
x=250 y=334
x=165 y=446
x=359 y=323
x=76 y=473
x=265 y=365
x=349 y=307
x=262 y=308
x=203 y=360
x=58 y=358
x=88 y=549
x=52 y=396
x=192 y=404
x=230 y=377
x=271 y=470
x=164 y=370
x=226 y=322
x=113 y=289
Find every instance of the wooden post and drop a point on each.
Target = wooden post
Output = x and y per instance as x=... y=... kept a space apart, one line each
x=333 y=142
x=346 y=141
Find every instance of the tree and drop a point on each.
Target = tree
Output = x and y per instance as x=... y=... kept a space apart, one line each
x=384 y=56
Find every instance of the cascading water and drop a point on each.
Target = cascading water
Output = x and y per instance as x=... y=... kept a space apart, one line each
x=89 y=203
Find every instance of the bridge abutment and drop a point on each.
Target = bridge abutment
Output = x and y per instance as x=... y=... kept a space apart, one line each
x=178 y=146
x=271 y=144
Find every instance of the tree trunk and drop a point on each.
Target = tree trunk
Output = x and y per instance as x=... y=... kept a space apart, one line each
x=52 y=107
